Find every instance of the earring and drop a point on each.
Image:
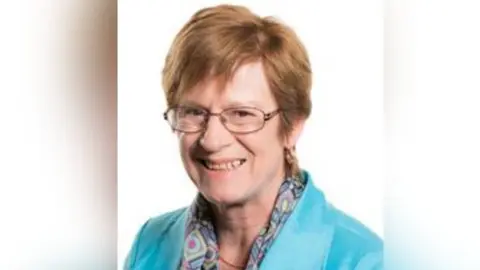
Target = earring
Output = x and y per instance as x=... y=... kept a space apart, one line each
x=290 y=155
x=292 y=161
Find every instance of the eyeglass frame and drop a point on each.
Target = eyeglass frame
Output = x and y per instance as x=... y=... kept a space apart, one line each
x=266 y=118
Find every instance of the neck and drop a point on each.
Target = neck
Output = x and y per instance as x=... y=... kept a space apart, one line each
x=238 y=225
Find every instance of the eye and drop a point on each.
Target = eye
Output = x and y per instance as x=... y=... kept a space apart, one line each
x=241 y=113
x=191 y=111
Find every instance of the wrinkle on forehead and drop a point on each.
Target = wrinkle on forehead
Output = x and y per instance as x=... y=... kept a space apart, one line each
x=248 y=85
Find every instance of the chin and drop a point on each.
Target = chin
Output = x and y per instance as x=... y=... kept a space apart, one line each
x=223 y=197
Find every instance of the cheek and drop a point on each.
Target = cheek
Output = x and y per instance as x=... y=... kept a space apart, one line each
x=264 y=146
x=186 y=143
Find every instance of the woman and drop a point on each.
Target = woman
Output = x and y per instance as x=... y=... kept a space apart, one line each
x=238 y=94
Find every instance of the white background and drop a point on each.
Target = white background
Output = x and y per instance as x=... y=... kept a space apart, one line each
x=342 y=145
x=56 y=195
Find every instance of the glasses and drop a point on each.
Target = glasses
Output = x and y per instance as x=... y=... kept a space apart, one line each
x=240 y=120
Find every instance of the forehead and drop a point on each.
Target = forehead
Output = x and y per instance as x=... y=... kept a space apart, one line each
x=247 y=87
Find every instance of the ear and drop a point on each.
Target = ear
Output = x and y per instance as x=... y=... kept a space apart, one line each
x=292 y=138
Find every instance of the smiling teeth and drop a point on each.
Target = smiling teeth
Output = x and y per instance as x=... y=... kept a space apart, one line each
x=223 y=166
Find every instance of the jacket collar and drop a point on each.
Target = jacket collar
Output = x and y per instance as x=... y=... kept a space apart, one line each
x=305 y=238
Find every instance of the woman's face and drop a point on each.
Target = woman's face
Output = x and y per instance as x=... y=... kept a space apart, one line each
x=229 y=168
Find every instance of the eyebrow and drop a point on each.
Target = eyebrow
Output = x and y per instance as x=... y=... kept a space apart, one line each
x=191 y=103
x=230 y=104
x=249 y=103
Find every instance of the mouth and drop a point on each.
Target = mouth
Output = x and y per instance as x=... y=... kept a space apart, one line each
x=223 y=165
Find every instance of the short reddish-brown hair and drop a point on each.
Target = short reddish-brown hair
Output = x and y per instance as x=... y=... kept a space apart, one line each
x=216 y=40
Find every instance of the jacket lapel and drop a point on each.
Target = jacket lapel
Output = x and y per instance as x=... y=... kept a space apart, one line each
x=171 y=246
x=305 y=237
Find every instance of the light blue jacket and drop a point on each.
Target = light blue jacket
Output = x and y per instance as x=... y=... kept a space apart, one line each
x=316 y=236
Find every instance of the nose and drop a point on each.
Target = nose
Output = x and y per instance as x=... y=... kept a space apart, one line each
x=215 y=136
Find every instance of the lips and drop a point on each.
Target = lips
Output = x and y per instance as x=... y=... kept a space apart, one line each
x=222 y=165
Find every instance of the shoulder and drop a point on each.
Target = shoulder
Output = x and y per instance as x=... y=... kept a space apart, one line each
x=350 y=243
x=353 y=245
x=158 y=226
x=151 y=234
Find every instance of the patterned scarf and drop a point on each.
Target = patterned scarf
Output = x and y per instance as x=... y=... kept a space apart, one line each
x=201 y=249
